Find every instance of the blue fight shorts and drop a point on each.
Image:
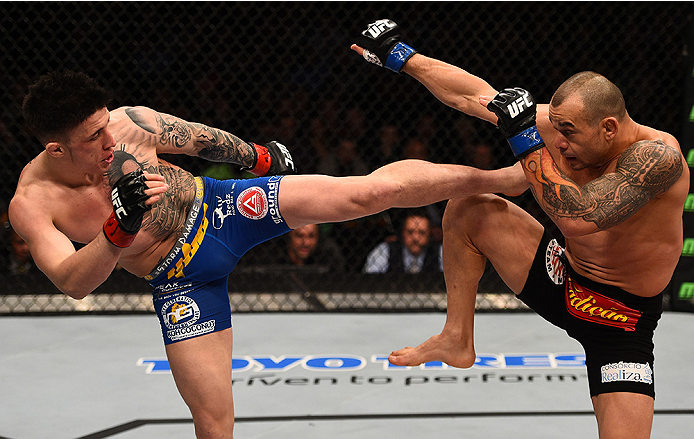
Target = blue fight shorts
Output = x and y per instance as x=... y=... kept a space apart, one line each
x=614 y=327
x=228 y=217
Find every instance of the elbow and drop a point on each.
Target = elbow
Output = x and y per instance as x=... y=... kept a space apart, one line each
x=76 y=291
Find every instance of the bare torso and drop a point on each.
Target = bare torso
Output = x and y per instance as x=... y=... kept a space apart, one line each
x=640 y=253
x=79 y=211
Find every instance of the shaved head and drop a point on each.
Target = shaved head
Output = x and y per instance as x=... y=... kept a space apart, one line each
x=600 y=97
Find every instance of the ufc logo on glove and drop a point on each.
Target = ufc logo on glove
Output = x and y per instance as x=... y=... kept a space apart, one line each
x=287 y=157
x=520 y=104
x=117 y=205
x=380 y=26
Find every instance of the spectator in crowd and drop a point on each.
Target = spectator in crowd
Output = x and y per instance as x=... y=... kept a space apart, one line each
x=416 y=148
x=20 y=260
x=426 y=128
x=345 y=161
x=412 y=253
x=355 y=236
x=301 y=247
x=482 y=156
x=386 y=148
x=354 y=124
x=464 y=134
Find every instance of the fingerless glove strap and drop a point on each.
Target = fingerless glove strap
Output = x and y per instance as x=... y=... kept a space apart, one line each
x=398 y=56
x=525 y=142
x=115 y=234
x=263 y=161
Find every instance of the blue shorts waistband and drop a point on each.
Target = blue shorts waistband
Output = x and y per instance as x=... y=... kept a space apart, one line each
x=190 y=222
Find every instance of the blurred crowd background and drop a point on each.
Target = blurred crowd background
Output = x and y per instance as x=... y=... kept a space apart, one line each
x=284 y=71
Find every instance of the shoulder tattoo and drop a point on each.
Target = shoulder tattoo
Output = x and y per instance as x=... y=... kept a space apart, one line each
x=644 y=170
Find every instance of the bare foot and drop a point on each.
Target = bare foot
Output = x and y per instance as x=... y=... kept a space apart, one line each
x=450 y=350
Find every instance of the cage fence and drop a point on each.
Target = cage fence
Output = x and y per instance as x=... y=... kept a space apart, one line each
x=284 y=71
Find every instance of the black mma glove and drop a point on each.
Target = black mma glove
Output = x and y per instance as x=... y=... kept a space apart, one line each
x=517 y=111
x=272 y=159
x=128 y=198
x=381 y=41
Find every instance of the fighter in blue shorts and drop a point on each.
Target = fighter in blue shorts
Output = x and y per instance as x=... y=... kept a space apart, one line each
x=100 y=181
x=227 y=219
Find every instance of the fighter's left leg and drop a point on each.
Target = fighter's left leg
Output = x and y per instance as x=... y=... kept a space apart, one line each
x=475 y=229
x=313 y=199
x=201 y=368
x=623 y=415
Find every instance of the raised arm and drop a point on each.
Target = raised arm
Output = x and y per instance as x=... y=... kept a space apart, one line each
x=381 y=44
x=177 y=136
x=452 y=85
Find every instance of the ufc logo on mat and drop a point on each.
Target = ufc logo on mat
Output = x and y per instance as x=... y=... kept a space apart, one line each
x=379 y=27
x=519 y=105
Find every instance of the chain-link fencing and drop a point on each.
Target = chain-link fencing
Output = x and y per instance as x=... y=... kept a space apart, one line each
x=284 y=71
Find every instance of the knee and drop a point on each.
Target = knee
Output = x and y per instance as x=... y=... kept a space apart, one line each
x=375 y=196
x=211 y=426
x=473 y=214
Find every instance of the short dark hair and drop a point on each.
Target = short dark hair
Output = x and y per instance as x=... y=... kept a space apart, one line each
x=59 y=101
x=601 y=98
x=415 y=212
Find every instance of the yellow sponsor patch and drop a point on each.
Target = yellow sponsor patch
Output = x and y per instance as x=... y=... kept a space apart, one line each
x=188 y=250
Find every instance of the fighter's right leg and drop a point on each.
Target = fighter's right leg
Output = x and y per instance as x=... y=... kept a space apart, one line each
x=201 y=367
x=475 y=229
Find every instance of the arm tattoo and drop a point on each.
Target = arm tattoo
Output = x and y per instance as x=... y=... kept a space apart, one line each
x=644 y=170
x=167 y=216
x=173 y=131
x=210 y=143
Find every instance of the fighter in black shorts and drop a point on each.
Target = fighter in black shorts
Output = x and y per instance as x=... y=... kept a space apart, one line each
x=615 y=189
x=614 y=327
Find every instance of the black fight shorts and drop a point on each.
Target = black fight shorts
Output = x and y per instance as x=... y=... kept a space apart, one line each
x=614 y=327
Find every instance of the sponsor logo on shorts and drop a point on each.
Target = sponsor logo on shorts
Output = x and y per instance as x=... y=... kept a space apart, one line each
x=252 y=203
x=273 y=186
x=593 y=307
x=172 y=287
x=181 y=311
x=191 y=331
x=188 y=227
x=180 y=316
x=225 y=208
x=554 y=262
x=625 y=371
